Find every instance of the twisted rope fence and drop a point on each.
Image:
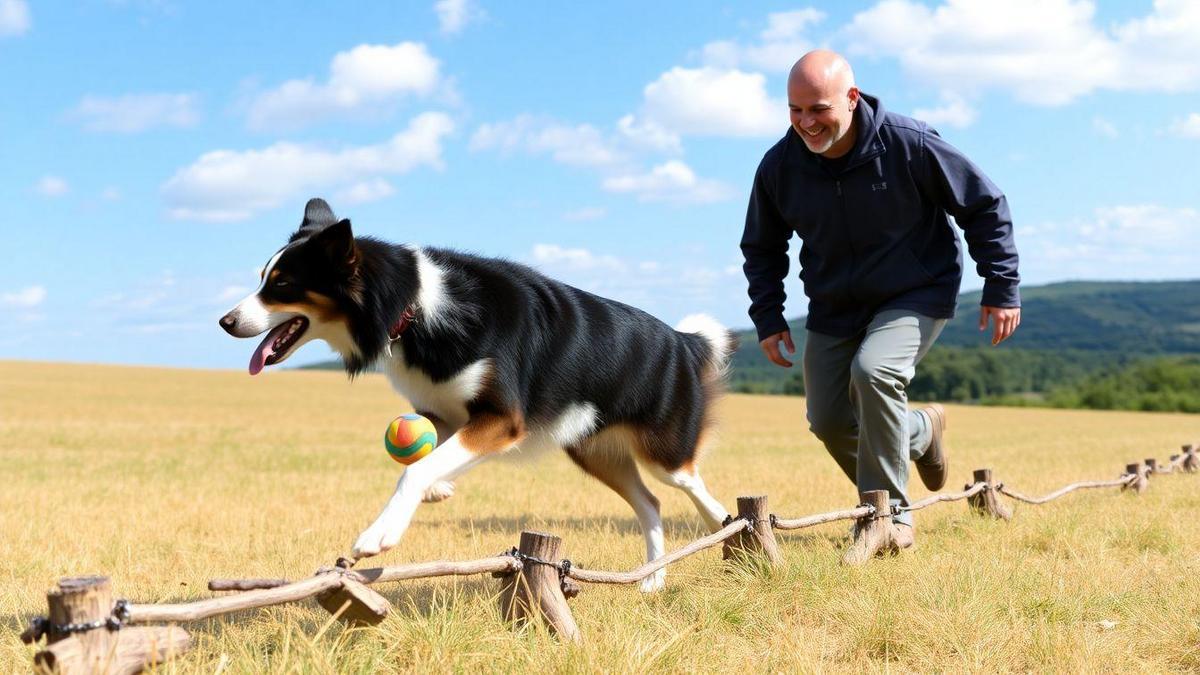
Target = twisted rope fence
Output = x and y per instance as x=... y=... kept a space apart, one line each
x=88 y=632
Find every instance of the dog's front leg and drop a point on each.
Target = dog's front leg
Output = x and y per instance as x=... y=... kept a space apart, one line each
x=450 y=458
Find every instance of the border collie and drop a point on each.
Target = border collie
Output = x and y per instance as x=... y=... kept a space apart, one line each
x=499 y=357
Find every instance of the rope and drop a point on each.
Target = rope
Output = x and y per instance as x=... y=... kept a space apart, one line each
x=1123 y=480
x=952 y=497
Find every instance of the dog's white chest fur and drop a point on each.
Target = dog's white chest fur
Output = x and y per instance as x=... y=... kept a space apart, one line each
x=448 y=400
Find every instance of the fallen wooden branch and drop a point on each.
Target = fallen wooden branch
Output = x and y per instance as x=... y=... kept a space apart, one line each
x=632 y=577
x=1081 y=485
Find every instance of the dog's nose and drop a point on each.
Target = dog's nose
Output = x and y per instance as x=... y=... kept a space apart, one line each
x=228 y=322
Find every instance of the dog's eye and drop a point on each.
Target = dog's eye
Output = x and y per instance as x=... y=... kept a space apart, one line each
x=280 y=283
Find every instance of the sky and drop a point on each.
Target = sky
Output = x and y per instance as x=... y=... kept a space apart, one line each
x=155 y=153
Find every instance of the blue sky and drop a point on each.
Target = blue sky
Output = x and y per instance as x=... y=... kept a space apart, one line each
x=155 y=153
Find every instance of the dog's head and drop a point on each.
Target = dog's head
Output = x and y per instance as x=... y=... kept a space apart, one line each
x=308 y=290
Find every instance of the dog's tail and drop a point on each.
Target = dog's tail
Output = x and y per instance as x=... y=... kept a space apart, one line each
x=719 y=340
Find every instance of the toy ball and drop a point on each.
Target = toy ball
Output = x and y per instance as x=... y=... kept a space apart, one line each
x=409 y=438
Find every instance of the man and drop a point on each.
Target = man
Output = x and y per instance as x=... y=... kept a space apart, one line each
x=869 y=193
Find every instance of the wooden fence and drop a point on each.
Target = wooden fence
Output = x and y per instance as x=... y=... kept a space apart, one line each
x=88 y=632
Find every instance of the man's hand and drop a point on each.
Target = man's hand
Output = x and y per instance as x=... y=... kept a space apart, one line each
x=1006 y=320
x=770 y=347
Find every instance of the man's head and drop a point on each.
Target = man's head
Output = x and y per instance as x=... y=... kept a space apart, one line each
x=821 y=98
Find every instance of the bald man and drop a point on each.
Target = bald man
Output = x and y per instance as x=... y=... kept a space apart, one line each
x=870 y=193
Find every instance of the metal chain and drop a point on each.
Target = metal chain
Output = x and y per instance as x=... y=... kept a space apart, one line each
x=563 y=566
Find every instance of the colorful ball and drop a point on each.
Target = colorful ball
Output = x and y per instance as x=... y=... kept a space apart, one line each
x=409 y=438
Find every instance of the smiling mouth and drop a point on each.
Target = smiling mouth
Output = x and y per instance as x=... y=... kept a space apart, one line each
x=275 y=346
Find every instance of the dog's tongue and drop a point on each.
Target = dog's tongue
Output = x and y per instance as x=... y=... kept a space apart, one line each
x=266 y=348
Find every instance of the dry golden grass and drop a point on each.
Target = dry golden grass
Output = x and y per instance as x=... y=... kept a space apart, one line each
x=163 y=479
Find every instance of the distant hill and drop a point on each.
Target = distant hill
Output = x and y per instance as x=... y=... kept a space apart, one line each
x=1072 y=328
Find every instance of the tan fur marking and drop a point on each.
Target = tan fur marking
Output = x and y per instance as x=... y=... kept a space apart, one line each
x=486 y=433
x=318 y=306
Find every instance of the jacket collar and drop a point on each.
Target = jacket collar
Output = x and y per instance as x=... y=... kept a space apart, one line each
x=868 y=144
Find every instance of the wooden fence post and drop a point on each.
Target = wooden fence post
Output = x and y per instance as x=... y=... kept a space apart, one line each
x=536 y=592
x=875 y=533
x=1190 y=462
x=1139 y=484
x=85 y=637
x=1152 y=466
x=987 y=503
x=758 y=541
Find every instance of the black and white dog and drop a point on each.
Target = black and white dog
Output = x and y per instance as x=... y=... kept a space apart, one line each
x=499 y=357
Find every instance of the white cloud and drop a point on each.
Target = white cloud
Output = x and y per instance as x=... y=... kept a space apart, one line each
x=1104 y=127
x=953 y=112
x=649 y=135
x=14 y=17
x=133 y=113
x=232 y=293
x=1045 y=52
x=780 y=44
x=366 y=191
x=26 y=298
x=360 y=79
x=672 y=181
x=1188 y=127
x=454 y=15
x=226 y=185
x=111 y=194
x=576 y=258
x=1141 y=241
x=52 y=186
x=712 y=102
x=579 y=145
x=586 y=213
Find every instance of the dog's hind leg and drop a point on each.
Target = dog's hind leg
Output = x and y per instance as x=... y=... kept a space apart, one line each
x=614 y=466
x=687 y=478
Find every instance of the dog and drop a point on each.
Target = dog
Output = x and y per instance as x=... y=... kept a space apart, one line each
x=499 y=357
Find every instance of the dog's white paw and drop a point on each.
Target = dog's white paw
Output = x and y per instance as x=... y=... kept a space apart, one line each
x=655 y=582
x=439 y=491
x=373 y=541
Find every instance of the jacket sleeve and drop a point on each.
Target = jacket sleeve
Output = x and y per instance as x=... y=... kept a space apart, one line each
x=981 y=210
x=765 y=249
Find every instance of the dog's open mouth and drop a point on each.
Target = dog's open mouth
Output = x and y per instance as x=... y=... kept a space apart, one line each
x=274 y=347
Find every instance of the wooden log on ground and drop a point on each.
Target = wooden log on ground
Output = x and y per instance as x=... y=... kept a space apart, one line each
x=874 y=534
x=535 y=593
x=84 y=636
x=987 y=503
x=355 y=604
x=1139 y=483
x=202 y=609
x=756 y=540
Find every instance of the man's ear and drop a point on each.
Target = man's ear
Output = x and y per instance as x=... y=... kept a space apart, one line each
x=317 y=215
x=853 y=96
x=337 y=241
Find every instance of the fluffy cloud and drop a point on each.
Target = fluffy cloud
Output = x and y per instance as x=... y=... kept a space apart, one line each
x=1104 y=127
x=584 y=214
x=366 y=191
x=954 y=112
x=52 y=186
x=580 y=145
x=780 y=43
x=132 y=113
x=1141 y=241
x=1188 y=127
x=14 y=17
x=454 y=15
x=26 y=298
x=1045 y=52
x=713 y=102
x=364 y=77
x=672 y=181
x=226 y=185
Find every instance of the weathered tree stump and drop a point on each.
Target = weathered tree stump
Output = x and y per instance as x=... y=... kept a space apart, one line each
x=757 y=541
x=874 y=534
x=363 y=606
x=1191 y=463
x=1140 y=483
x=85 y=637
x=536 y=592
x=987 y=503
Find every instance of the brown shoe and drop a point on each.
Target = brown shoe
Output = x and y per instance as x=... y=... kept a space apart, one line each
x=934 y=465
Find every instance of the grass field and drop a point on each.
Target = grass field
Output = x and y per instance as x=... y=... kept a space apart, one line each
x=163 y=479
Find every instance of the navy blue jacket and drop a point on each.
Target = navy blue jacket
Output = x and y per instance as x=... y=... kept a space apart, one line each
x=876 y=235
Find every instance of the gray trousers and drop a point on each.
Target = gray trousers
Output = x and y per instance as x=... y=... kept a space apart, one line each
x=857 y=404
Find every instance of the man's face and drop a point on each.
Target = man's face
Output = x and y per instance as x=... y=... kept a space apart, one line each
x=823 y=116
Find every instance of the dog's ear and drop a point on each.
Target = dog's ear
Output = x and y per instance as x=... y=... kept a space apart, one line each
x=337 y=242
x=317 y=215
